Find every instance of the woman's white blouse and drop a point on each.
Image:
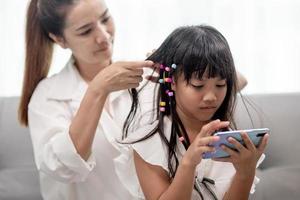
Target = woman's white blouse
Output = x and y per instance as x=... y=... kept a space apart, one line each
x=64 y=175
x=155 y=152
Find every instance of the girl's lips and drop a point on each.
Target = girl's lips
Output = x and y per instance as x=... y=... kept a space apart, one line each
x=208 y=107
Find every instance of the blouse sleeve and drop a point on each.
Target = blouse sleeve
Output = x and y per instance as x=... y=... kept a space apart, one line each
x=54 y=150
x=151 y=150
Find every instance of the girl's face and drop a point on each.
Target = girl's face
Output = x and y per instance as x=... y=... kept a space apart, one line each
x=198 y=100
x=89 y=32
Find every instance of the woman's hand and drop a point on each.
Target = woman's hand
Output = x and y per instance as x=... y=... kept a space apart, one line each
x=246 y=157
x=119 y=76
x=200 y=145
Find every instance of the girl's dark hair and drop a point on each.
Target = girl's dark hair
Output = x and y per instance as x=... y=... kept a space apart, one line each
x=43 y=17
x=194 y=49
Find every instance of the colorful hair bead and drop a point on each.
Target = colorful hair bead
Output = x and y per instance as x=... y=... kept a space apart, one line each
x=181 y=139
x=170 y=94
x=167 y=91
x=161 y=66
x=162 y=109
x=168 y=80
x=167 y=69
x=162 y=103
x=174 y=66
x=161 y=80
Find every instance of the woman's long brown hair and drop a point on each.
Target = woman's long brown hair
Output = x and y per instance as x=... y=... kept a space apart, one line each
x=43 y=17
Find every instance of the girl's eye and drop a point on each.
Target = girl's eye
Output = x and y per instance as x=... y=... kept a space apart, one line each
x=197 y=86
x=221 y=85
x=86 y=32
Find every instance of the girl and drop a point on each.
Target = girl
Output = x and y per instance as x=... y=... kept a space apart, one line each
x=196 y=97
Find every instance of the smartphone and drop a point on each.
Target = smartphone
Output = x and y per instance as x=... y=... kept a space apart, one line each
x=255 y=135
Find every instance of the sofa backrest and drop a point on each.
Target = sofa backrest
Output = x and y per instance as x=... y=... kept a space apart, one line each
x=281 y=114
x=18 y=174
x=14 y=139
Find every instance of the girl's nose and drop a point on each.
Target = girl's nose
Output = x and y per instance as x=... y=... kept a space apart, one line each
x=210 y=96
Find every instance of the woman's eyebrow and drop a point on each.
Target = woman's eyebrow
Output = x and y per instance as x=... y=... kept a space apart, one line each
x=87 y=25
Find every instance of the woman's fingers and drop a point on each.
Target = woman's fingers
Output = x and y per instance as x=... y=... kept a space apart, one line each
x=153 y=79
x=131 y=65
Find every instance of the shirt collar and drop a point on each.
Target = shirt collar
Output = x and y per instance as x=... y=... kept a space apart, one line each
x=67 y=84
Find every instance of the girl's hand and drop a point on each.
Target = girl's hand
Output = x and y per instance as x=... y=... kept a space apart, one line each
x=200 y=145
x=245 y=158
x=119 y=76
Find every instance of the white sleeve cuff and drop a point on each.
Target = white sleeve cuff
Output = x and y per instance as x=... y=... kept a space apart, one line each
x=66 y=153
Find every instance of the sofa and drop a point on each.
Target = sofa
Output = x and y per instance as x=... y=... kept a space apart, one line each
x=279 y=173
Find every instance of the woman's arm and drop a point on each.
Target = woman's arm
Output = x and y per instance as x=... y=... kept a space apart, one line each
x=84 y=124
x=241 y=81
x=117 y=76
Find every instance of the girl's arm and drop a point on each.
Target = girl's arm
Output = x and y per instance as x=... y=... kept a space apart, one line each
x=156 y=183
x=240 y=187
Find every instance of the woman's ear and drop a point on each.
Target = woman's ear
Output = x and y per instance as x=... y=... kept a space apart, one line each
x=59 y=40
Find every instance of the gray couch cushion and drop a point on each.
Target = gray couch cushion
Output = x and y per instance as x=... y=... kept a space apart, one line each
x=18 y=174
x=280 y=113
x=280 y=172
x=278 y=183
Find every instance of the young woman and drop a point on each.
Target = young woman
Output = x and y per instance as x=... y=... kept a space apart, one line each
x=72 y=144
x=196 y=97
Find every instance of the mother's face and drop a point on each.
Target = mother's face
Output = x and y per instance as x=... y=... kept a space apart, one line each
x=89 y=32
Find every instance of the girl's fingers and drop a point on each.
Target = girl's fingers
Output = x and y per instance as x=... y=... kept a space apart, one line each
x=227 y=159
x=212 y=126
x=206 y=149
x=249 y=144
x=236 y=144
x=208 y=140
x=263 y=143
x=230 y=151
